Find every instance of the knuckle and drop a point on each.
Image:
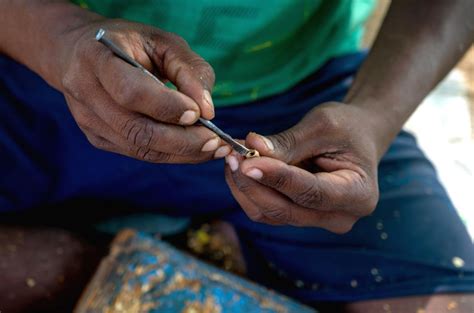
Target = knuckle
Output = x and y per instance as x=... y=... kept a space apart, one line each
x=97 y=141
x=174 y=38
x=173 y=54
x=204 y=70
x=256 y=216
x=172 y=60
x=328 y=121
x=166 y=108
x=159 y=157
x=310 y=197
x=280 y=181
x=243 y=186
x=138 y=132
x=179 y=145
x=86 y=123
x=277 y=214
x=285 y=141
x=142 y=153
x=185 y=62
x=148 y=155
x=209 y=71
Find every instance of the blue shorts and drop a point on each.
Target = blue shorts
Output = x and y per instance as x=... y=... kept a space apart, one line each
x=414 y=242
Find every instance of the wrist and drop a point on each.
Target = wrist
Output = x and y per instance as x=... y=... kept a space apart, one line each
x=382 y=125
x=38 y=32
x=60 y=38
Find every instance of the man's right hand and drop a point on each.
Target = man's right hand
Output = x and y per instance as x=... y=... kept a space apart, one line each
x=122 y=110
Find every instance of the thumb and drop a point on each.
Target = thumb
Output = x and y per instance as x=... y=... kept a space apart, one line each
x=282 y=146
x=190 y=73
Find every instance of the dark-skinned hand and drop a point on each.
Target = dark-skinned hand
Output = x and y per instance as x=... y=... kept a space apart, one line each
x=124 y=111
x=320 y=173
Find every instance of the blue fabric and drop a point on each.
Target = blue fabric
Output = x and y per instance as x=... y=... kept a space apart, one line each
x=406 y=247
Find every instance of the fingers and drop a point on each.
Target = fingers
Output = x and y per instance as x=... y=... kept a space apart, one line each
x=142 y=131
x=254 y=212
x=95 y=129
x=110 y=127
x=137 y=92
x=243 y=189
x=318 y=173
x=188 y=71
x=335 y=191
x=123 y=110
x=265 y=205
x=282 y=146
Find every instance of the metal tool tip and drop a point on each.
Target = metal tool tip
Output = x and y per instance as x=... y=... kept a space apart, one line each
x=252 y=154
x=100 y=34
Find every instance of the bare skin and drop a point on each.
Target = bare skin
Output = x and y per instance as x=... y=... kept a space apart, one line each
x=117 y=107
x=280 y=187
x=322 y=172
x=451 y=303
x=44 y=269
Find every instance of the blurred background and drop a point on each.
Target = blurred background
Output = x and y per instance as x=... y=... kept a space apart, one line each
x=444 y=126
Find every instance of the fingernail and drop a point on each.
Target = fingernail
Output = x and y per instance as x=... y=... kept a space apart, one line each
x=222 y=152
x=268 y=143
x=188 y=117
x=211 y=145
x=208 y=99
x=254 y=173
x=233 y=163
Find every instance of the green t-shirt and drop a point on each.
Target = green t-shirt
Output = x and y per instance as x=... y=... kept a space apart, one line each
x=257 y=48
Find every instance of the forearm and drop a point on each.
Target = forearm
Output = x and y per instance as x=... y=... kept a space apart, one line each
x=419 y=42
x=31 y=30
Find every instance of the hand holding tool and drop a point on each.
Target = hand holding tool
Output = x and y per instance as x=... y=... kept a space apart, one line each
x=237 y=146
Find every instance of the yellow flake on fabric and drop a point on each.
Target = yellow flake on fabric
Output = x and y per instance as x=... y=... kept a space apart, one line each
x=261 y=46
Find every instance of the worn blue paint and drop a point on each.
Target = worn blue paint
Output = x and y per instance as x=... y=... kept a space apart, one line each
x=187 y=282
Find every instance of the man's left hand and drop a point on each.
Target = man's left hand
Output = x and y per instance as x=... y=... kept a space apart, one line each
x=320 y=173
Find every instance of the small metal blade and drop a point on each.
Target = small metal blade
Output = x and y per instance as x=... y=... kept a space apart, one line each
x=237 y=146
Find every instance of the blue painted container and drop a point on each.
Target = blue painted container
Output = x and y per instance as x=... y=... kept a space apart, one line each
x=146 y=275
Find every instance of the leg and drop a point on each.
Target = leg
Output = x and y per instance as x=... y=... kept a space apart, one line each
x=44 y=269
x=45 y=260
x=413 y=244
x=453 y=303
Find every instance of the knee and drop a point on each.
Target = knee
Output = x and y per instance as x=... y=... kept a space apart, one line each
x=453 y=303
x=43 y=268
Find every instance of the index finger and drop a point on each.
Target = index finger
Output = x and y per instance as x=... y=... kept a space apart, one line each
x=134 y=90
x=266 y=205
x=342 y=190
